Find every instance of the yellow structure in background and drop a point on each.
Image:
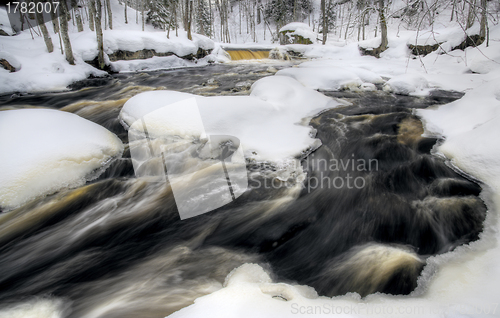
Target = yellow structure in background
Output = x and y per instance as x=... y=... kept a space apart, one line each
x=247 y=55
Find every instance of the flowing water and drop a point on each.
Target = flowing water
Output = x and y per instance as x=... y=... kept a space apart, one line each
x=238 y=54
x=375 y=203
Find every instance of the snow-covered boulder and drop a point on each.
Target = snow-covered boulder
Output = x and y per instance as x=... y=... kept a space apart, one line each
x=298 y=33
x=265 y=122
x=46 y=150
x=9 y=62
x=331 y=79
x=407 y=84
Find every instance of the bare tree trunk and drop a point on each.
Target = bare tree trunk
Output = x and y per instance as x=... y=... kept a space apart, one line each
x=77 y=15
x=453 y=9
x=105 y=17
x=325 y=21
x=53 y=16
x=45 y=33
x=175 y=17
x=383 y=26
x=63 y=20
x=484 y=19
x=189 y=19
x=472 y=14
x=96 y=9
x=142 y=13
x=295 y=10
x=79 y=23
x=91 y=17
x=22 y=20
x=347 y=26
x=125 y=12
x=110 y=14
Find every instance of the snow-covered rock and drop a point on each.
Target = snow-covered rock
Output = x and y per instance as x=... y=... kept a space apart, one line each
x=331 y=79
x=14 y=63
x=407 y=84
x=46 y=150
x=265 y=122
x=299 y=29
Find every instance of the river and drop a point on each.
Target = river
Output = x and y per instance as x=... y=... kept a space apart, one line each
x=374 y=204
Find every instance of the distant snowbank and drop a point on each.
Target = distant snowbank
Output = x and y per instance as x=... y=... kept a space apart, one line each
x=46 y=150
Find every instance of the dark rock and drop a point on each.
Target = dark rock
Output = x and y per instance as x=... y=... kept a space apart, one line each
x=470 y=40
x=6 y=65
x=423 y=49
x=373 y=52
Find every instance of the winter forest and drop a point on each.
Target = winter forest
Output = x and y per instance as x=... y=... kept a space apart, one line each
x=254 y=21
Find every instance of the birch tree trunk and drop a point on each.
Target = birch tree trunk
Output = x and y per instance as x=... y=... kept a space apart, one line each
x=96 y=7
x=484 y=21
x=325 y=22
x=78 y=15
x=45 y=33
x=142 y=13
x=383 y=26
x=189 y=19
x=110 y=14
x=126 y=20
x=472 y=14
x=91 y=16
x=63 y=21
x=53 y=16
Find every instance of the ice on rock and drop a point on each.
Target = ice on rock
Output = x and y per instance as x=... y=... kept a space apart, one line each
x=46 y=150
x=247 y=273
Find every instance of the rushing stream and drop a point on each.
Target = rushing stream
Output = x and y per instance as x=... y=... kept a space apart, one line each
x=117 y=248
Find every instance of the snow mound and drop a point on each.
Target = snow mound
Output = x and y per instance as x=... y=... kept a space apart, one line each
x=447 y=37
x=46 y=150
x=265 y=122
x=364 y=74
x=328 y=75
x=331 y=79
x=11 y=59
x=468 y=125
x=486 y=60
x=301 y=29
x=407 y=84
